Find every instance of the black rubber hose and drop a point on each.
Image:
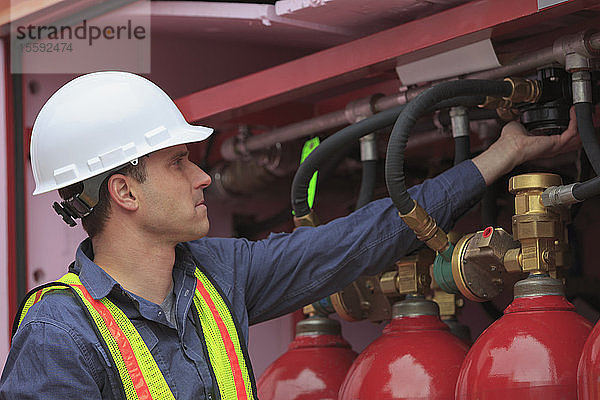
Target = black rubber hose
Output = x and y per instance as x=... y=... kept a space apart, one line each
x=394 y=163
x=462 y=149
x=587 y=133
x=347 y=135
x=367 y=183
x=329 y=146
x=587 y=189
x=466 y=101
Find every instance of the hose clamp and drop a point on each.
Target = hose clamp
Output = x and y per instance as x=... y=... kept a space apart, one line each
x=368 y=148
x=460 y=121
x=582 y=87
x=559 y=195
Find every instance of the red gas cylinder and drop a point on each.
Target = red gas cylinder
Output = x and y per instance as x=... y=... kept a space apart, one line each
x=588 y=373
x=530 y=353
x=416 y=357
x=314 y=366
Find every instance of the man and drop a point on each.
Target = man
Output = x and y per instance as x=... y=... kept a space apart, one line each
x=151 y=309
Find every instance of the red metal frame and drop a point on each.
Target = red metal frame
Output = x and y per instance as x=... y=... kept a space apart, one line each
x=11 y=189
x=364 y=57
x=10 y=192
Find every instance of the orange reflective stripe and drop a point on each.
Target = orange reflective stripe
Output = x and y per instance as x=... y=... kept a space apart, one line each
x=38 y=296
x=240 y=386
x=131 y=363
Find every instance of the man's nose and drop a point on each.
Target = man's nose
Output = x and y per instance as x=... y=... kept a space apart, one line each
x=204 y=178
x=201 y=178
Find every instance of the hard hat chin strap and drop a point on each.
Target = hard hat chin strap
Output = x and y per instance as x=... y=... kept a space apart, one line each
x=82 y=204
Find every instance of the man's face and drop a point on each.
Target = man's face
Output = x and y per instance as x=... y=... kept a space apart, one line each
x=171 y=199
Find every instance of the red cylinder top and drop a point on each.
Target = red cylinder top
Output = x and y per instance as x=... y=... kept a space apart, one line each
x=530 y=353
x=415 y=358
x=313 y=368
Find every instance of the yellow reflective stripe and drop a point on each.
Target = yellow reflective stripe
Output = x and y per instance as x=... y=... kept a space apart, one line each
x=136 y=386
x=31 y=300
x=229 y=368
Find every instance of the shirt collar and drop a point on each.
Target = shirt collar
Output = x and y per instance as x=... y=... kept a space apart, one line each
x=97 y=282
x=184 y=260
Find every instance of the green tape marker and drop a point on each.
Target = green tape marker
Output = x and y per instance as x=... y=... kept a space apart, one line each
x=308 y=147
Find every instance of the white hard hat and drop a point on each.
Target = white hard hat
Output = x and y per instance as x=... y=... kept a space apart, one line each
x=100 y=121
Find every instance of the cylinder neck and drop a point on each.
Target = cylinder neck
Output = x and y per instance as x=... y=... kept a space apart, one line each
x=414 y=314
x=414 y=306
x=318 y=325
x=539 y=293
x=539 y=285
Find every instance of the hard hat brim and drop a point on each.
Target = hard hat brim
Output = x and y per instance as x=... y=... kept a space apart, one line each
x=182 y=134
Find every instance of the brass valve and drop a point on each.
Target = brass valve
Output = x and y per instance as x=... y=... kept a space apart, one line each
x=523 y=91
x=412 y=275
x=362 y=299
x=371 y=297
x=539 y=229
x=480 y=261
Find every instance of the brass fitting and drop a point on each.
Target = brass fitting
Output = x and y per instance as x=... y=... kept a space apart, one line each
x=540 y=229
x=513 y=260
x=371 y=297
x=412 y=275
x=426 y=228
x=523 y=90
x=362 y=299
x=309 y=310
x=492 y=103
x=309 y=219
x=448 y=303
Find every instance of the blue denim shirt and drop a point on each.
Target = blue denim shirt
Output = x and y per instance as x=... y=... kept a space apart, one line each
x=55 y=353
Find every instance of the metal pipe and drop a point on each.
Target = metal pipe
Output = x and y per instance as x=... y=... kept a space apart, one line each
x=523 y=63
x=235 y=148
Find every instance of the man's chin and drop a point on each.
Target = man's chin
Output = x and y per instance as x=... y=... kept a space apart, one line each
x=199 y=234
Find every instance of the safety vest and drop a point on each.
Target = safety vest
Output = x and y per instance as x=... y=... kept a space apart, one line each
x=139 y=373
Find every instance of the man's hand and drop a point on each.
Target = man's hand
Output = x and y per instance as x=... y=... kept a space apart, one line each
x=515 y=147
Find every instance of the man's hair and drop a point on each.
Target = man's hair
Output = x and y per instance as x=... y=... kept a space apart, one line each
x=94 y=223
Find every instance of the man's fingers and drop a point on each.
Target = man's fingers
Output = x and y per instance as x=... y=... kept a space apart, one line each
x=569 y=139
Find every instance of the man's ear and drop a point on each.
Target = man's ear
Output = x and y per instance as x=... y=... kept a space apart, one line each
x=120 y=191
